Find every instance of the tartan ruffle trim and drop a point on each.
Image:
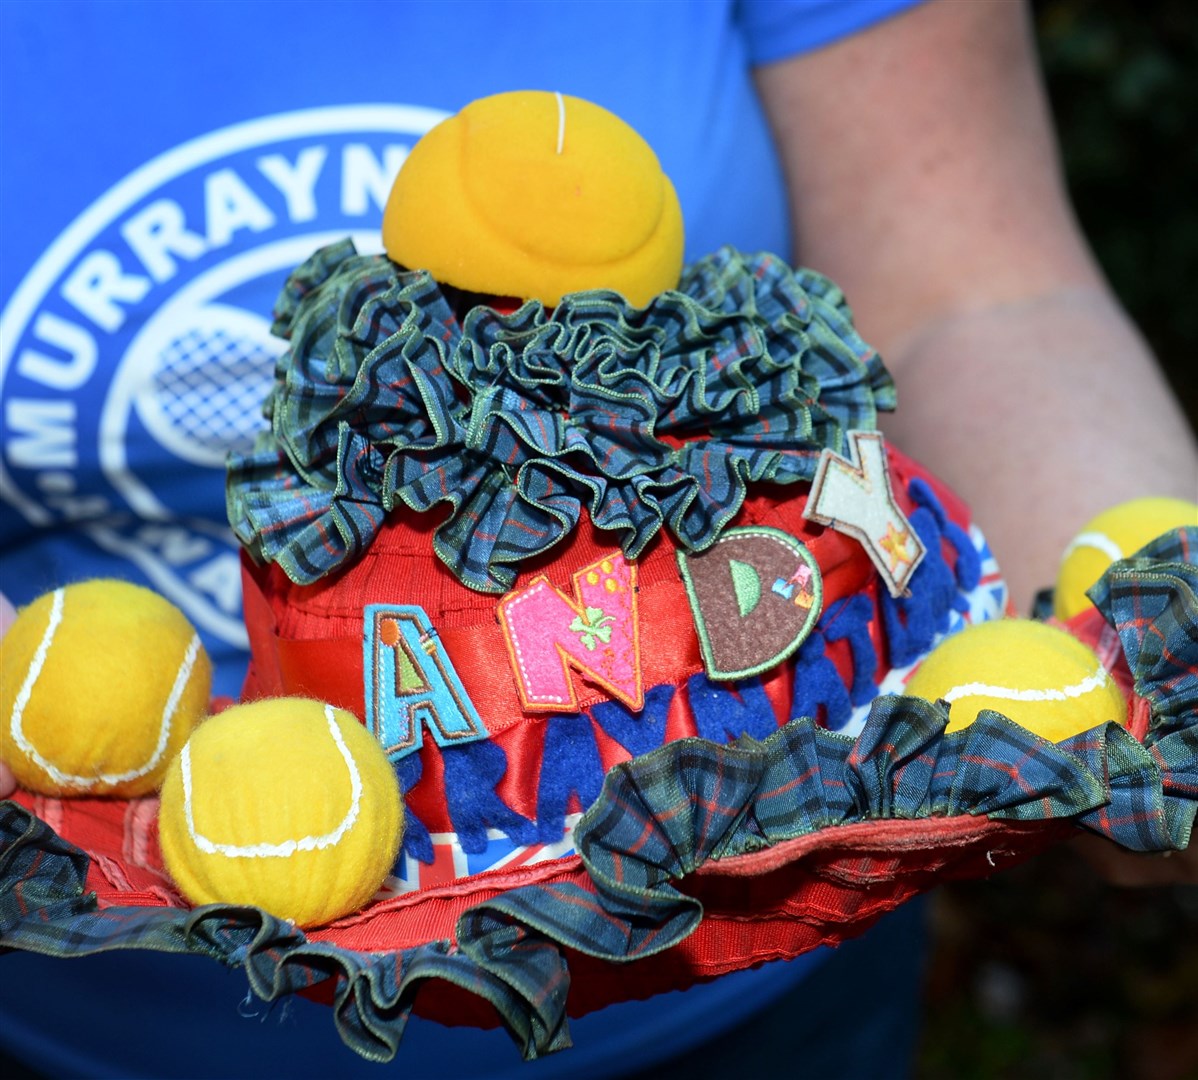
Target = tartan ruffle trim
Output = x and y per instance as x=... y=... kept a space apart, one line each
x=663 y=816
x=686 y=807
x=646 y=417
x=45 y=908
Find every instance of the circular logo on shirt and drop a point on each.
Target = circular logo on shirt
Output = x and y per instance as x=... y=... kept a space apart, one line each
x=137 y=351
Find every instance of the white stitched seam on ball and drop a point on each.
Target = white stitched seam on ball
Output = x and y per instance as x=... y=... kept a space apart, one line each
x=1098 y=541
x=26 y=691
x=182 y=676
x=85 y=783
x=1006 y=693
x=287 y=847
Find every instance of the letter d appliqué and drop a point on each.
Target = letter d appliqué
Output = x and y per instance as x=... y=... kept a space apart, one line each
x=755 y=594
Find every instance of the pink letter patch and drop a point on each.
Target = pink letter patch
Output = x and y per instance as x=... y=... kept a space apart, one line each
x=598 y=635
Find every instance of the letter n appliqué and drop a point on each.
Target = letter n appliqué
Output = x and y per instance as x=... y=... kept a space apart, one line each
x=411 y=683
x=596 y=633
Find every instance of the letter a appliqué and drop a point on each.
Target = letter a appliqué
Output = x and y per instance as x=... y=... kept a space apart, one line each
x=596 y=634
x=412 y=684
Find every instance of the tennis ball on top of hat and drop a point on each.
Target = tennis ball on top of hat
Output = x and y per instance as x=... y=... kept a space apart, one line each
x=286 y=804
x=1114 y=534
x=1035 y=674
x=101 y=682
x=533 y=195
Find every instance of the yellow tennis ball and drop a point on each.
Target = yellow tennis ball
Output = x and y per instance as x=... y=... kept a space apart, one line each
x=100 y=685
x=1114 y=534
x=1039 y=676
x=535 y=195
x=286 y=804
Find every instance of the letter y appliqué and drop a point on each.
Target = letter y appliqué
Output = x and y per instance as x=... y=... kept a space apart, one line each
x=853 y=495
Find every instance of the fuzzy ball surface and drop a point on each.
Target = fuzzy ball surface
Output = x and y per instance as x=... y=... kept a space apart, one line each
x=1116 y=533
x=1035 y=674
x=286 y=804
x=536 y=195
x=101 y=683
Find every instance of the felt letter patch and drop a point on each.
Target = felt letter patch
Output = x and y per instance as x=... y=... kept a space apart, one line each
x=854 y=497
x=596 y=634
x=410 y=683
x=754 y=594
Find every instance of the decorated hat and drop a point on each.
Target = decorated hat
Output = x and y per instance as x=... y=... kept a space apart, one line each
x=629 y=589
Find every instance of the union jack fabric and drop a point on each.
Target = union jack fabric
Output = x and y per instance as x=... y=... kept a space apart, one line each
x=451 y=861
x=989 y=599
x=685 y=812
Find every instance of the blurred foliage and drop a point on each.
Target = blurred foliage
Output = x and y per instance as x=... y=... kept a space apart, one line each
x=1045 y=970
x=1123 y=82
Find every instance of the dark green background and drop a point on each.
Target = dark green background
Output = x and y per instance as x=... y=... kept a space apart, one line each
x=1123 y=80
x=1046 y=971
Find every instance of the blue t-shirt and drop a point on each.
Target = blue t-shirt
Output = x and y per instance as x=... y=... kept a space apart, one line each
x=165 y=165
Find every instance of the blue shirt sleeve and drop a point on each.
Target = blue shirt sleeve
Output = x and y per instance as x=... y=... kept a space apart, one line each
x=776 y=29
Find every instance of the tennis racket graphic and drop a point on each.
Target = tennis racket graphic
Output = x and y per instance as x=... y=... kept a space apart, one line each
x=207 y=371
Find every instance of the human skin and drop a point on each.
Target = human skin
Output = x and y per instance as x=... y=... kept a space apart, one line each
x=936 y=201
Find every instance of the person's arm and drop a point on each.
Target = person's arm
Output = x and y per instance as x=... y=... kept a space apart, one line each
x=926 y=183
x=927 y=186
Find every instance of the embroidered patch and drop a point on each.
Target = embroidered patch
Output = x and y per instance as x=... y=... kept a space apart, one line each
x=411 y=683
x=754 y=594
x=854 y=497
x=597 y=634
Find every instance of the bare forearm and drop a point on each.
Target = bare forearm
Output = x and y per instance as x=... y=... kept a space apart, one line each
x=1059 y=411
x=927 y=185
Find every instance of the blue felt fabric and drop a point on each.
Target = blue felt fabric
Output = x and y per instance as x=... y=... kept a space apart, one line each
x=189 y=87
x=471 y=772
x=570 y=766
x=666 y=814
x=848 y=620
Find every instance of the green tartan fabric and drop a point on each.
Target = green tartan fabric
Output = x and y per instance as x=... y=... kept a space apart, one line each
x=45 y=908
x=648 y=418
x=688 y=805
x=1151 y=599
